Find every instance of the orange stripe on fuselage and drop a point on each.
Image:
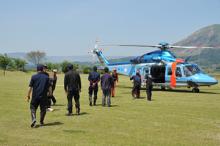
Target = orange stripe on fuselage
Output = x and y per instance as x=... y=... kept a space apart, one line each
x=173 y=76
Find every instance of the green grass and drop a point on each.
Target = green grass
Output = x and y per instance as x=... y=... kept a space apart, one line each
x=171 y=119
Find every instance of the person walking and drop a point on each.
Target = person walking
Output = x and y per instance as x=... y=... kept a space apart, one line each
x=72 y=87
x=136 y=85
x=49 y=92
x=94 y=78
x=106 y=85
x=38 y=87
x=149 y=87
x=115 y=79
x=54 y=82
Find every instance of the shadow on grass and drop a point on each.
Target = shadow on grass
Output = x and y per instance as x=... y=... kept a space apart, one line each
x=107 y=106
x=184 y=91
x=49 y=124
x=139 y=98
x=59 y=105
x=83 y=113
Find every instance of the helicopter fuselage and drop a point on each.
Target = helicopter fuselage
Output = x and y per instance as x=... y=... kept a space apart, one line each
x=158 y=64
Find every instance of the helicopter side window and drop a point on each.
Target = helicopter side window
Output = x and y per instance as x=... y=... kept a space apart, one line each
x=178 y=72
x=169 y=71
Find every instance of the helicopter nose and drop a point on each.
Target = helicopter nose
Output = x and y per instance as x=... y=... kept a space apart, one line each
x=204 y=79
x=212 y=81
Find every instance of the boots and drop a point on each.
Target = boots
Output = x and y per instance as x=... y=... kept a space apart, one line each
x=90 y=100
x=77 y=109
x=33 y=117
x=42 y=116
x=94 y=102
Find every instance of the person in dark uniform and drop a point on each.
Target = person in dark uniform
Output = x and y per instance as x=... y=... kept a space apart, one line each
x=54 y=82
x=149 y=86
x=136 y=85
x=38 y=87
x=94 y=78
x=72 y=87
x=106 y=84
x=115 y=78
x=49 y=93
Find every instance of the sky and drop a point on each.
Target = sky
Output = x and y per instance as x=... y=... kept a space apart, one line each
x=71 y=27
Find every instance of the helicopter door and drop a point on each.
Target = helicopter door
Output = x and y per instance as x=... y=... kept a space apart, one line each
x=158 y=73
x=180 y=79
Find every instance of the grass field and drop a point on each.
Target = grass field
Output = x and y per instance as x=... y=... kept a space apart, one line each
x=171 y=119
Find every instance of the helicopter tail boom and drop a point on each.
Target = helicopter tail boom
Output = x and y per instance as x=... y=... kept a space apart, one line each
x=101 y=57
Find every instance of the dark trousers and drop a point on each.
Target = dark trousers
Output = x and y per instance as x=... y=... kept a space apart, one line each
x=53 y=99
x=49 y=100
x=43 y=106
x=91 y=91
x=149 y=92
x=106 y=94
x=71 y=94
x=136 y=91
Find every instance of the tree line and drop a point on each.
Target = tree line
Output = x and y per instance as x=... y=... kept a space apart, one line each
x=37 y=57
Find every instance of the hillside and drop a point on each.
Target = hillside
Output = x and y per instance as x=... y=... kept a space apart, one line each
x=207 y=36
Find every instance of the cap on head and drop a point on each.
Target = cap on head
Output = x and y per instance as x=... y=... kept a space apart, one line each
x=69 y=66
x=40 y=67
x=106 y=69
x=114 y=69
x=45 y=66
x=94 y=68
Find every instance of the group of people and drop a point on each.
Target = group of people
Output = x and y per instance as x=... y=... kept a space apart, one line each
x=137 y=85
x=108 y=84
x=42 y=87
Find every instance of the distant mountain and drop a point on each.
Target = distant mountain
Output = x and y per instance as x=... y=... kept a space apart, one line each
x=207 y=36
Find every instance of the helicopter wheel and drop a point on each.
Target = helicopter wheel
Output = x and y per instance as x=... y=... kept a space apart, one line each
x=195 y=90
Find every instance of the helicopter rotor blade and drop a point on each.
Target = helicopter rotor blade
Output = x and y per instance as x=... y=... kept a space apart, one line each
x=190 y=47
x=122 y=45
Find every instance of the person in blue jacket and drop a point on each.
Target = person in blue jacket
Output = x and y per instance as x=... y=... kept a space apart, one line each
x=94 y=78
x=38 y=86
x=107 y=82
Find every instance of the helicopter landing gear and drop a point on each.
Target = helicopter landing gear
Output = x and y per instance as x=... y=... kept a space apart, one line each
x=195 y=90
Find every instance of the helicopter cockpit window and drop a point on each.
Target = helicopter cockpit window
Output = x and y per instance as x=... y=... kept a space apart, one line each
x=190 y=70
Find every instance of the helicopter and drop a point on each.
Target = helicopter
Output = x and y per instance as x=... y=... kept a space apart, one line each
x=166 y=70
